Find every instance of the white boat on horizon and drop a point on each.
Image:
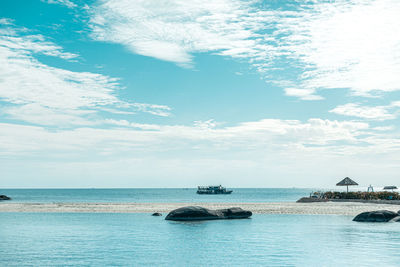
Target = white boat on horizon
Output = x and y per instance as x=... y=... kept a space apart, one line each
x=213 y=190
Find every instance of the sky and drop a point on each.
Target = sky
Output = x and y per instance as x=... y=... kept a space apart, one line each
x=152 y=93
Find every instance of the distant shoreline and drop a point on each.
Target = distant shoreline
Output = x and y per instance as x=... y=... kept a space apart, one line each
x=370 y=201
x=314 y=208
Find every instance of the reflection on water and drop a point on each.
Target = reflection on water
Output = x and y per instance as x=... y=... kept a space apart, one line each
x=140 y=239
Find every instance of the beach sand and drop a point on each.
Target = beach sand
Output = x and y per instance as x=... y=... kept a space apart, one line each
x=325 y=208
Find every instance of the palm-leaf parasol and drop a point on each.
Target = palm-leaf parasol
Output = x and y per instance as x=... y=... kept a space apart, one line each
x=346 y=182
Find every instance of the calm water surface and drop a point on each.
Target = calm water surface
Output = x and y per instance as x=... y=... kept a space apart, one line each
x=75 y=239
x=153 y=195
x=101 y=239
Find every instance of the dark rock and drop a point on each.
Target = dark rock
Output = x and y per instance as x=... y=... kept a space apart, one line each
x=395 y=219
x=191 y=213
x=195 y=213
x=235 y=213
x=4 y=197
x=376 y=216
x=311 y=199
x=156 y=214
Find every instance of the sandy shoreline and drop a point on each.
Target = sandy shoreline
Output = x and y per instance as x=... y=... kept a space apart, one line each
x=325 y=208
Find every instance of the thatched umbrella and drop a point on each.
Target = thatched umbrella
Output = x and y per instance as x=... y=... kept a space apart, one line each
x=346 y=182
x=390 y=187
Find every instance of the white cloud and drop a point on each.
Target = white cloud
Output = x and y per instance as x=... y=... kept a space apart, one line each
x=41 y=115
x=29 y=44
x=270 y=135
x=367 y=112
x=66 y=3
x=304 y=94
x=395 y=104
x=209 y=124
x=46 y=95
x=159 y=110
x=173 y=30
x=311 y=153
x=346 y=44
x=330 y=44
x=125 y=123
x=384 y=128
x=6 y=21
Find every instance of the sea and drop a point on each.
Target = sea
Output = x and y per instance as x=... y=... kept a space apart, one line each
x=153 y=195
x=139 y=239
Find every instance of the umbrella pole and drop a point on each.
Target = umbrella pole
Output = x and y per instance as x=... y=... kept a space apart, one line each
x=347 y=188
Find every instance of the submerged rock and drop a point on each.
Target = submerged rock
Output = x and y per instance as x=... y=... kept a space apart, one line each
x=195 y=213
x=156 y=214
x=376 y=216
x=4 y=197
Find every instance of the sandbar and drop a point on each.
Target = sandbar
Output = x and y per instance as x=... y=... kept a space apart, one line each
x=319 y=208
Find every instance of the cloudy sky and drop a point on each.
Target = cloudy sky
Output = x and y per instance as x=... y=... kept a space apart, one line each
x=131 y=93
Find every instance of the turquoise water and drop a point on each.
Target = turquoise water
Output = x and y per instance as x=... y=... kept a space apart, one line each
x=75 y=239
x=102 y=239
x=153 y=195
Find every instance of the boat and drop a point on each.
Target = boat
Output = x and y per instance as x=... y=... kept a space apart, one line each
x=212 y=189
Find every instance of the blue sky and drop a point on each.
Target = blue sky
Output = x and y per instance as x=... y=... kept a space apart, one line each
x=119 y=93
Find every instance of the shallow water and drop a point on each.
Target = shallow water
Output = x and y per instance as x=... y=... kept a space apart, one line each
x=139 y=239
x=153 y=195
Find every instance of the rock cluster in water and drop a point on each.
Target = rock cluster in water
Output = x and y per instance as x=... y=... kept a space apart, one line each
x=378 y=216
x=4 y=197
x=156 y=214
x=195 y=213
